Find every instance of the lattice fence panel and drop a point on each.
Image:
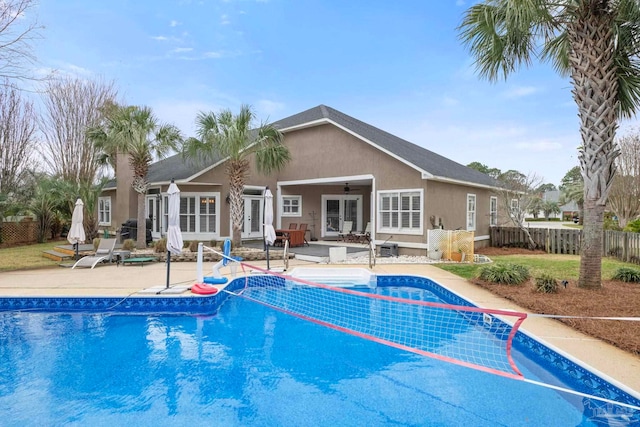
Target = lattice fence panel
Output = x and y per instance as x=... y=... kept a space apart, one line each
x=18 y=232
x=452 y=243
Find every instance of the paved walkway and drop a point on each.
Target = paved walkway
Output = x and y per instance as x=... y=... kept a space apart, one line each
x=620 y=367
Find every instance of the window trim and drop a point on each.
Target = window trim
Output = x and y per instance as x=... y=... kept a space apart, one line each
x=493 y=211
x=399 y=193
x=102 y=211
x=474 y=211
x=282 y=205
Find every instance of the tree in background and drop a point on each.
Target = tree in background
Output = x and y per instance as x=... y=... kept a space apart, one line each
x=596 y=43
x=572 y=189
x=71 y=106
x=624 y=199
x=481 y=167
x=18 y=30
x=550 y=208
x=519 y=197
x=17 y=139
x=135 y=132
x=225 y=135
x=546 y=187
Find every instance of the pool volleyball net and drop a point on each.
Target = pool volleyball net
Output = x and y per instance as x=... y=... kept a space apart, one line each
x=469 y=336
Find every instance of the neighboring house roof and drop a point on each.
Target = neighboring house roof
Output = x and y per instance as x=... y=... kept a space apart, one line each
x=426 y=161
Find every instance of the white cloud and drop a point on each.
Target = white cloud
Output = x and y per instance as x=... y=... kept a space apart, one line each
x=224 y=20
x=266 y=109
x=174 y=23
x=449 y=101
x=539 y=145
x=181 y=113
x=160 y=38
x=182 y=49
x=520 y=91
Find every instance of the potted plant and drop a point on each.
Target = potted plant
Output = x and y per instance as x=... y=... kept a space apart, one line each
x=435 y=254
x=457 y=256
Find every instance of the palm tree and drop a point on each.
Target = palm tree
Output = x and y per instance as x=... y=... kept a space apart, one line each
x=134 y=131
x=225 y=135
x=596 y=43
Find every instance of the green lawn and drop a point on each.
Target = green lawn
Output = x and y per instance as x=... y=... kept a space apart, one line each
x=27 y=257
x=558 y=266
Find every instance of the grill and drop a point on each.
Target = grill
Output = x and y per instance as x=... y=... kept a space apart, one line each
x=129 y=230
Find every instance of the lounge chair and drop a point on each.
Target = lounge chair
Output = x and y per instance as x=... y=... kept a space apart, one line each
x=104 y=253
x=365 y=236
x=345 y=233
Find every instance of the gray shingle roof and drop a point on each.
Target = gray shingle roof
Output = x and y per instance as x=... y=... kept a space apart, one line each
x=428 y=161
x=422 y=158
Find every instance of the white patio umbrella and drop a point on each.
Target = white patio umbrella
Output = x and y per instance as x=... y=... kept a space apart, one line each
x=76 y=232
x=269 y=231
x=174 y=235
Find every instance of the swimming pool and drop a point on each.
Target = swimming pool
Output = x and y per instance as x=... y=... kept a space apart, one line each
x=246 y=364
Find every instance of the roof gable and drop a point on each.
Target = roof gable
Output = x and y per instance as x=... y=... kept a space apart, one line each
x=423 y=159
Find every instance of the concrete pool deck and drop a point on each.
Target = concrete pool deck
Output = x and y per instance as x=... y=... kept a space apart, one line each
x=615 y=365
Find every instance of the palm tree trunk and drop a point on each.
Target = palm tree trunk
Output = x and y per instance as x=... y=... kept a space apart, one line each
x=141 y=236
x=591 y=251
x=595 y=91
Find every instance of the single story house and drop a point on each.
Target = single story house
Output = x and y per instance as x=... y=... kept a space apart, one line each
x=342 y=169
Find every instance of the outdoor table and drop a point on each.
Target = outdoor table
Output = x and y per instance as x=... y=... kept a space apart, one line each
x=296 y=237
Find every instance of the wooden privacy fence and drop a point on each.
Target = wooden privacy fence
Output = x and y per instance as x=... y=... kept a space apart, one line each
x=25 y=231
x=552 y=240
x=622 y=245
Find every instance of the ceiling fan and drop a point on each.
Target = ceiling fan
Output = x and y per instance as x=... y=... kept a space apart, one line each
x=348 y=189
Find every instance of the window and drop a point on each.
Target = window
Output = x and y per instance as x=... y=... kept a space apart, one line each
x=400 y=211
x=493 y=211
x=515 y=209
x=291 y=205
x=104 y=211
x=207 y=215
x=188 y=214
x=198 y=213
x=471 y=212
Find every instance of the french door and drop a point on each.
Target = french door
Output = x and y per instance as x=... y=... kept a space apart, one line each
x=338 y=209
x=154 y=213
x=252 y=225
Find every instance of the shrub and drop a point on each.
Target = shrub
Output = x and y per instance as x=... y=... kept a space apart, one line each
x=129 y=244
x=193 y=246
x=185 y=244
x=505 y=273
x=626 y=274
x=546 y=284
x=96 y=243
x=161 y=245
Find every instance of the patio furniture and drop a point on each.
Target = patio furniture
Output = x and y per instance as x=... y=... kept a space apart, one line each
x=345 y=234
x=104 y=253
x=295 y=237
x=304 y=236
x=365 y=236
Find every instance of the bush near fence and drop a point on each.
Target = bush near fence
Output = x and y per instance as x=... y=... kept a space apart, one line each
x=21 y=232
x=624 y=246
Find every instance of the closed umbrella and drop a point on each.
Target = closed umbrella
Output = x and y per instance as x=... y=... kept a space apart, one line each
x=174 y=235
x=76 y=232
x=269 y=231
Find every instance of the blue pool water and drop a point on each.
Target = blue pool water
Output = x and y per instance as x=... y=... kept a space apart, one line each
x=249 y=365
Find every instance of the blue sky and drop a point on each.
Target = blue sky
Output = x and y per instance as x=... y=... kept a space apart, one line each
x=396 y=65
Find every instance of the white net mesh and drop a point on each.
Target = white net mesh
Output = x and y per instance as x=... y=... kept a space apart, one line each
x=398 y=317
